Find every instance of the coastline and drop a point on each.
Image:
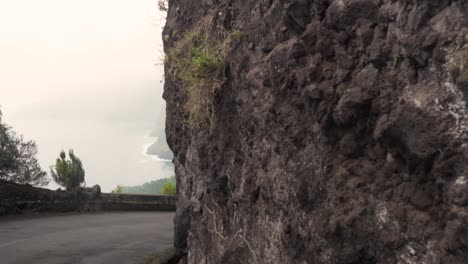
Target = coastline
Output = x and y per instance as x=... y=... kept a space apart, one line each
x=148 y=145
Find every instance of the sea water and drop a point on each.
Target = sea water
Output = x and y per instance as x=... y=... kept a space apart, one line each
x=112 y=152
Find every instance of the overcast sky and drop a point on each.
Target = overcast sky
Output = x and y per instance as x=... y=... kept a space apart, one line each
x=81 y=74
x=79 y=58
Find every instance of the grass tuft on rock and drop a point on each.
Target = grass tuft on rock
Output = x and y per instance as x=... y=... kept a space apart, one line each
x=199 y=62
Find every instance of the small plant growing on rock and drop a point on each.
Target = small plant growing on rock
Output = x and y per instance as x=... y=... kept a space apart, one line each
x=237 y=34
x=162 y=4
x=68 y=173
x=198 y=61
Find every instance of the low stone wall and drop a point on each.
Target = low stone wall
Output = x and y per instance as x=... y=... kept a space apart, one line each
x=136 y=202
x=19 y=199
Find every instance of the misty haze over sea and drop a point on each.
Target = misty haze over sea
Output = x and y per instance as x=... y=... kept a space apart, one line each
x=93 y=85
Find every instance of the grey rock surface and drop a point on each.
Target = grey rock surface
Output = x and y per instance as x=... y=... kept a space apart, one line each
x=339 y=140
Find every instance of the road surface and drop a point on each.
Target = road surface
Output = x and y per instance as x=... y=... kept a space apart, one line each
x=85 y=238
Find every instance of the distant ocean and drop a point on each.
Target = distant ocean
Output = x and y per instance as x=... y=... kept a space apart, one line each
x=111 y=151
x=148 y=145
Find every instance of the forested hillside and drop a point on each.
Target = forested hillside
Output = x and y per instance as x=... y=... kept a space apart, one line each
x=153 y=187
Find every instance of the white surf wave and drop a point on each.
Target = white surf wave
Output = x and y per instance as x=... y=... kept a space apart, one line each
x=151 y=156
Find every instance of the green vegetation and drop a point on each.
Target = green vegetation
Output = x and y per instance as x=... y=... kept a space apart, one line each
x=199 y=61
x=168 y=37
x=18 y=162
x=153 y=187
x=68 y=173
x=118 y=189
x=237 y=34
x=169 y=189
x=162 y=4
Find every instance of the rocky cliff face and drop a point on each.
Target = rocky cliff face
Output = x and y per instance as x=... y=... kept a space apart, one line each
x=336 y=132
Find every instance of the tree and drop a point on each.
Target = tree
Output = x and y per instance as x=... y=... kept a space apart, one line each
x=169 y=189
x=162 y=5
x=118 y=189
x=18 y=162
x=68 y=173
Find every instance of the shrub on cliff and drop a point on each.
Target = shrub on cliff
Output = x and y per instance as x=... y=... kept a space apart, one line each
x=162 y=4
x=68 y=173
x=18 y=162
x=199 y=60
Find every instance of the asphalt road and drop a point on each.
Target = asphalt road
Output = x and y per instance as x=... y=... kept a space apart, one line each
x=85 y=238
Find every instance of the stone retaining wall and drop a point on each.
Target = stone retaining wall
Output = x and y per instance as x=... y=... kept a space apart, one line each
x=136 y=202
x=18 y=199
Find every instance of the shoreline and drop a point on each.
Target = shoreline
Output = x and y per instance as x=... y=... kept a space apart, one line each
x=153 y=157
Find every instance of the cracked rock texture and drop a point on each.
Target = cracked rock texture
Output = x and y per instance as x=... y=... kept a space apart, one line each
x=338 y=136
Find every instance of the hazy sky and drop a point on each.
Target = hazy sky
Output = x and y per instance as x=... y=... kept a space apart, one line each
x=86 y=75
x=95 y=55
